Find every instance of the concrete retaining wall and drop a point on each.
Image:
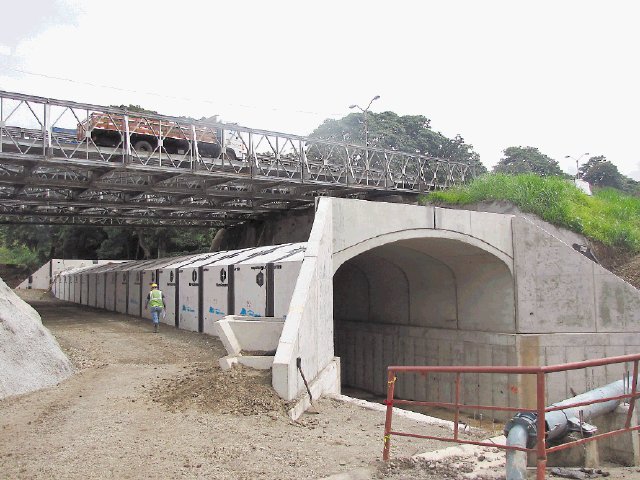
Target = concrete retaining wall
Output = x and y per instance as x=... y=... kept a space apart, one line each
x=368 y=348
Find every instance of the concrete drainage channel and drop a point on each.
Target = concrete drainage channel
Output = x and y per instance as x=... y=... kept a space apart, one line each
x=482 y=462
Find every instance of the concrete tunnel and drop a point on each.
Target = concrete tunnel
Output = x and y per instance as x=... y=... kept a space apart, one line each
x=405 y=303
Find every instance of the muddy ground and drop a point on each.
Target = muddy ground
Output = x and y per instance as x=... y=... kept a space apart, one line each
x=144 y=405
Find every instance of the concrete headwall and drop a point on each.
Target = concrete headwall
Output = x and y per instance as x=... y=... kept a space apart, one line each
x=430 y=286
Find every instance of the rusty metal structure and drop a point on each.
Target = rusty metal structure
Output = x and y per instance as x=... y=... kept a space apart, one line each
x=54 y=169
x=541 y=428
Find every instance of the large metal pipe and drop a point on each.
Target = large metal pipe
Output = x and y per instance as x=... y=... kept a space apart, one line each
x=521 y=430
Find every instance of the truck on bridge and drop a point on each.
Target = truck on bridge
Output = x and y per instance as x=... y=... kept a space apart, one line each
x=148 y=135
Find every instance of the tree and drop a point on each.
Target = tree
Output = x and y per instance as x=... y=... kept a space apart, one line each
x=118 y=244
x=527 y=160
x=604 y=174
x=409 y=133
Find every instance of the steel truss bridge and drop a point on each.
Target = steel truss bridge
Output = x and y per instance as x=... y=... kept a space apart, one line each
x=52 y=171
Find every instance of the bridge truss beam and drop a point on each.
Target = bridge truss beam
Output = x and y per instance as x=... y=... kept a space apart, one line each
x=53 y=168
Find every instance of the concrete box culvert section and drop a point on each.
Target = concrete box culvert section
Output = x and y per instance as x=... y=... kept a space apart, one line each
x=381 y=284
x=405 y=303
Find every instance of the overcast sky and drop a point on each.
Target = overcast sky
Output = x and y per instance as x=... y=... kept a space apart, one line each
x=559 y=75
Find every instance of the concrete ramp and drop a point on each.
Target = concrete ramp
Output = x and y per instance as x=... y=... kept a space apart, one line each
x=384 y=284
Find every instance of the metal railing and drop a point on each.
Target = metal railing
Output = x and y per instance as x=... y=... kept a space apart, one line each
x=541 y=448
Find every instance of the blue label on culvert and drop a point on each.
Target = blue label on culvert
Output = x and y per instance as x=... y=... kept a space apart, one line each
x=249 y=313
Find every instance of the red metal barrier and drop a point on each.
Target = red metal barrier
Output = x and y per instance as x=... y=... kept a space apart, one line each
x=541 y=449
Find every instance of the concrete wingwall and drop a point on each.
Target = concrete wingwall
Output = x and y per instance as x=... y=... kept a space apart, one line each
x=569 y=309
x=385 y=284
x=308 y=329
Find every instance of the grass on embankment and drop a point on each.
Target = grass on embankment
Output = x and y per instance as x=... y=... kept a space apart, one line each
x=609 y=216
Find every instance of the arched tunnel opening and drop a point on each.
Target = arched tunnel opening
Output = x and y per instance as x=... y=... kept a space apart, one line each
x=428 y=301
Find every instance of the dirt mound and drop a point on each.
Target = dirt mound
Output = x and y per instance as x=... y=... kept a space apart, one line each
x=237 y=391
x=631 y=271
x=13 y=275
x=619 y=261
x=30 y=356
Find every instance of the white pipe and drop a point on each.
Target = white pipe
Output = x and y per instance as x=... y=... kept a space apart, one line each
x=558 y=423
x=517 y=459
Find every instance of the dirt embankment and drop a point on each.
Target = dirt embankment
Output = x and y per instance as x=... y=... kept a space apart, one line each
x=621 y=262
x=13 y=275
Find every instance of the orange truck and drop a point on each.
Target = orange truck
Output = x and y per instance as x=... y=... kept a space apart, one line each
x=109 y=130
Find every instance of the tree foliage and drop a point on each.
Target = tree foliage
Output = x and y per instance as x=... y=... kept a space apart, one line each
x=519 y=160
x=134 y=108
x=35 y=244
x=408 y=133
x=600 y=172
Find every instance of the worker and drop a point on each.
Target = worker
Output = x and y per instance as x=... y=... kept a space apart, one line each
x=156 y=300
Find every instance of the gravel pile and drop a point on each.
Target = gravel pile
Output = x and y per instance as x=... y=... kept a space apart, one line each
x=30 y=356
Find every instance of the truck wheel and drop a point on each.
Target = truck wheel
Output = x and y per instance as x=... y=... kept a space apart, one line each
x=231 y=155
x=143 y=146
x=210 y=150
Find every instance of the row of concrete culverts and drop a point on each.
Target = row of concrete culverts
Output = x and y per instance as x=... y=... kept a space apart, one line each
x=199 y=289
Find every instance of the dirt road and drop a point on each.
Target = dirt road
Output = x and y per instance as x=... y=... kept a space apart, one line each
x=145 y=405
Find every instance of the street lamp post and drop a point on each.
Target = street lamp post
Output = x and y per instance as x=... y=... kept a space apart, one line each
x=364 y=120
x=577 y=162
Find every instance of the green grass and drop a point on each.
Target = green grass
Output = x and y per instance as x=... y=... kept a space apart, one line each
x=609 y=216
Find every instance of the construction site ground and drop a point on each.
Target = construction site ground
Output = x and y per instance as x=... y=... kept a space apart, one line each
x=145 y=405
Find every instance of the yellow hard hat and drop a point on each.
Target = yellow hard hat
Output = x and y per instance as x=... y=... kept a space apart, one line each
x=154 y=285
